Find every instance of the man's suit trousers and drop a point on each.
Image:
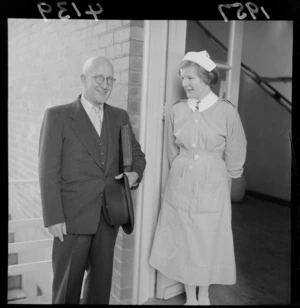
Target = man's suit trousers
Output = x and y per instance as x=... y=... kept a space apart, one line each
x=80 y=252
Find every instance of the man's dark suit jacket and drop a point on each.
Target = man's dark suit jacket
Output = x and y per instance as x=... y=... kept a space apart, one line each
x=72 y=180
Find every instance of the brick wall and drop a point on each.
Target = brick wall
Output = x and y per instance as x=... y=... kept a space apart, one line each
x=45 y=61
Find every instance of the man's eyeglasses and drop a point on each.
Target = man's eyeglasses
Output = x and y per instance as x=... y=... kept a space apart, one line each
x=100 y=79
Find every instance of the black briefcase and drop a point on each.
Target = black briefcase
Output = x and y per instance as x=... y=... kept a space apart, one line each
x=118 y=205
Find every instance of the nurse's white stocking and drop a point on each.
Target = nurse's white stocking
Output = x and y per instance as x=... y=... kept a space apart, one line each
x=203 y=297
x=190 y=295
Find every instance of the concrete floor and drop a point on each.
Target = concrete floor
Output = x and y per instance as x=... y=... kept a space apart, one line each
x=262 y=241
x=262 y=245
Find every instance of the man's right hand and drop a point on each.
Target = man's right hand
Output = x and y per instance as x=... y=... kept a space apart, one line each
x=58 y=230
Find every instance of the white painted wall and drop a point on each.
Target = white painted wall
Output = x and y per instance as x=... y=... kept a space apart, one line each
x=267 y=48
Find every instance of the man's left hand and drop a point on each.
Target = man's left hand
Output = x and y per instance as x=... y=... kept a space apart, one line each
x=132 y=177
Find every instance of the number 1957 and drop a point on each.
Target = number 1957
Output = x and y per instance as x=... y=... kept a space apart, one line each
x=252 y=8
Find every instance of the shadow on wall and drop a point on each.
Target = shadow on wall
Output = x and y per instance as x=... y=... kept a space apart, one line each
x=266 y=123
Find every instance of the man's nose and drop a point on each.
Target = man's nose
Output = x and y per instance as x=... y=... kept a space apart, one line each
x=184 y=82
x=104 y=83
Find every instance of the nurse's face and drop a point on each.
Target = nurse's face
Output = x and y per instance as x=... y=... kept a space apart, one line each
x=192 y=84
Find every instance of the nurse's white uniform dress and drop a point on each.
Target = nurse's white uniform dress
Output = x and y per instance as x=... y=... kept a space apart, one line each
x=193 y=242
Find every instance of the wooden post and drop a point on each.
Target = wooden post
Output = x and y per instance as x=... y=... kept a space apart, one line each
x=235 y=47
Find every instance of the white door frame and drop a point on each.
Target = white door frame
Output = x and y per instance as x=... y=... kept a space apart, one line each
x=148 y=196
x=166 y=288
x=163 y=50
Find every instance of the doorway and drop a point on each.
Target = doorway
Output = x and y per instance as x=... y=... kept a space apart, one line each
x=161 y=88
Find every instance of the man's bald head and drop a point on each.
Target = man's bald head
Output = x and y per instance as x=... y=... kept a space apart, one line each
x=93 y=62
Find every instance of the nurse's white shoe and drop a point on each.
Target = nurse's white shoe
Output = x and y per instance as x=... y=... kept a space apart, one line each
x=203 y=301
x=191 y=303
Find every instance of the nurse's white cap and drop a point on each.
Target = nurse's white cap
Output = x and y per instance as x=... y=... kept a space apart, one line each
x=202 y=58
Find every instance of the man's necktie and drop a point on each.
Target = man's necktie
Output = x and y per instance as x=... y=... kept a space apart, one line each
x=197 y=105
x=96 y=118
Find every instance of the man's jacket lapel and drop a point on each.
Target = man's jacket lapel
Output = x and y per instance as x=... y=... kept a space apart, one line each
x=85 y=130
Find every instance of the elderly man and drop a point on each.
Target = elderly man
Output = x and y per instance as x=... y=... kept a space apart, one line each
x=78 y=154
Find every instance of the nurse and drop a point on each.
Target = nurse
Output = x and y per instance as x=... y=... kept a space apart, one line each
x=193 y=242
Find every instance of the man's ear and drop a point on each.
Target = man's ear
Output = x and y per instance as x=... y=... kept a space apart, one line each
x=82 y=78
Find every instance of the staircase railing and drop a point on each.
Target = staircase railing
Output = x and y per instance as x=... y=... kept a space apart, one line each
x=261 y=81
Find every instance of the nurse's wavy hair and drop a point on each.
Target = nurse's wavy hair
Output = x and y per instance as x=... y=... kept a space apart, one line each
x=210 y=78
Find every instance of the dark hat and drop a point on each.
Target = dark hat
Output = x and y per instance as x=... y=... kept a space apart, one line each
x=118 y=207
